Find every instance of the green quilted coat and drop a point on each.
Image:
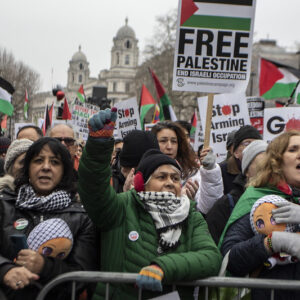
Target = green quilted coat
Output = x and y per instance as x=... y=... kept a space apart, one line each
x=129 y=239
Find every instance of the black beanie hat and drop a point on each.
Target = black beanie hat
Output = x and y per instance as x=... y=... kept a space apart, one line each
x=135 y=144
x=4 y=144
x=245 y=132
x=150 y=161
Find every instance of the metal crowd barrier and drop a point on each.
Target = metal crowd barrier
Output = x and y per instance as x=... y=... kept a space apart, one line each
x=109 y=277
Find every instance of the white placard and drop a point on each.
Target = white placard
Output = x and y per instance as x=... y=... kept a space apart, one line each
x=213 y=46
x=277 y=120
x=128 y=117
x=230 y=112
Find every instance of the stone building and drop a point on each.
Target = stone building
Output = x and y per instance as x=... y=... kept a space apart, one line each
x=119 y=79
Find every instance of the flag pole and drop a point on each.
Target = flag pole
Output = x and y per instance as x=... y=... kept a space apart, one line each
x=292 y=94
x=210 y=103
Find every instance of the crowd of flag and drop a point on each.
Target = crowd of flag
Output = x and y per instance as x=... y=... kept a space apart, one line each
x=276 y=81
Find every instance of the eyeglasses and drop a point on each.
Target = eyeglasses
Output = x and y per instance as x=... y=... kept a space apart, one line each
x=68 y=141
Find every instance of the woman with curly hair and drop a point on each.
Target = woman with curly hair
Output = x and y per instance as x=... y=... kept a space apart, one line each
x=279 y=175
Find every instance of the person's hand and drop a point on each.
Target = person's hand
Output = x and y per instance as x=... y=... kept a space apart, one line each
x=190 y=188
x=209 y=160
x=287 y=212
x=31 y=260
x=288 y=242
x=102 y=124
x=18 y=277
x=150 y=278
x=128 y=184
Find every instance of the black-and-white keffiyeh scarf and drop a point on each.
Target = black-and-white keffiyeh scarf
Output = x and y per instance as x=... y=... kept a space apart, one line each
x=168 y=213
x=27 y=199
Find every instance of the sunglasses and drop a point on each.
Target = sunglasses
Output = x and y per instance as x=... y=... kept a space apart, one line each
x=68 y=141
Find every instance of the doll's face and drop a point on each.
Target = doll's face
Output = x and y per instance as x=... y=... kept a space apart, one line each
x=264 y=221
x=58 y=247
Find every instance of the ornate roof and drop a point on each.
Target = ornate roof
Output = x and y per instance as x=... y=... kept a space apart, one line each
x=79 y=55
x=125 y=31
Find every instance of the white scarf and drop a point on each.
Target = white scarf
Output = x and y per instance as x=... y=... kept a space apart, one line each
x=168 y=213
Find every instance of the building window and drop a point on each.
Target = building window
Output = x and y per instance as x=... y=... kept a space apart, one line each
x=128 y=44
x=80 y=66
x=127 y=87
x=114 y=87
x=80 y=78
x=118 y=58
x=73 y=77
x=127 y=60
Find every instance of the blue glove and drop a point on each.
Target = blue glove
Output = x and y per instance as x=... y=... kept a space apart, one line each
x=150 y=278
x=102 y=124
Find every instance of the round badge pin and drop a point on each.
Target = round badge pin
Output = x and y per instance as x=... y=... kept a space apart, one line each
x=133 y=236
x=20 y=224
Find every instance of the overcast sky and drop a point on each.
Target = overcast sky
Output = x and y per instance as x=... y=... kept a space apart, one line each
x=44 y=34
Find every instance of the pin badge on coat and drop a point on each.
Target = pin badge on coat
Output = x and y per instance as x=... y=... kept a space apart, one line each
x=20 y=224
x=133 y=236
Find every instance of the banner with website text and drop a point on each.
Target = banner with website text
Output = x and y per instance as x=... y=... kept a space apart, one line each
x=213 y=45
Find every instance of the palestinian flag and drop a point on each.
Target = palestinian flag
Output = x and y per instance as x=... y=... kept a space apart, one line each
x=277 y=80
x=26 y=106
x=194 y=124
x=6 y=91
x=156 y=114
x=217 y=14
x=66 y=115
x=4 y=124
x=47 y=121
x=165 y=105
x=146 y=103
x=80 y=94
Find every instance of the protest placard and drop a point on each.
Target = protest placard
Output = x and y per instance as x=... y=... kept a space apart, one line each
x=81 y=112
x=256 y=107
x=213 y=45
x=279 y=119
x=229 y=113
x=128 y=117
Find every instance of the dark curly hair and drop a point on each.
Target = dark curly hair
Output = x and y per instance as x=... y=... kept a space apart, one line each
x=60 y=151
x=185 y=155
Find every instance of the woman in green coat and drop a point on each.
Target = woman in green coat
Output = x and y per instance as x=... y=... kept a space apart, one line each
x=152 y=229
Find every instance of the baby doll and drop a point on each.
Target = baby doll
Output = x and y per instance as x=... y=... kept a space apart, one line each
x=52 y=237
x=262 y=222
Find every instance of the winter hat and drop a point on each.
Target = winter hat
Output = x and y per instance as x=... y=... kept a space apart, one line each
x=16 y=148
x=251 y=151
x=230 y=138
x=135 y=144
x=4 y=144
x=269 y=199
x=150 y=161
x=245 y=132
x=48 y=230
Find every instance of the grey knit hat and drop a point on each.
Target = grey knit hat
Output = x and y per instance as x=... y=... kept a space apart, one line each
x=16 y=148
x=251 y=151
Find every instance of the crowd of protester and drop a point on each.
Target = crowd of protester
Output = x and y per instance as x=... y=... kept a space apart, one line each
x=148 y=204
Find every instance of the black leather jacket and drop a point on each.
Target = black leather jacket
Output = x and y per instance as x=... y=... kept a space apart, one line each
x=83 y=256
